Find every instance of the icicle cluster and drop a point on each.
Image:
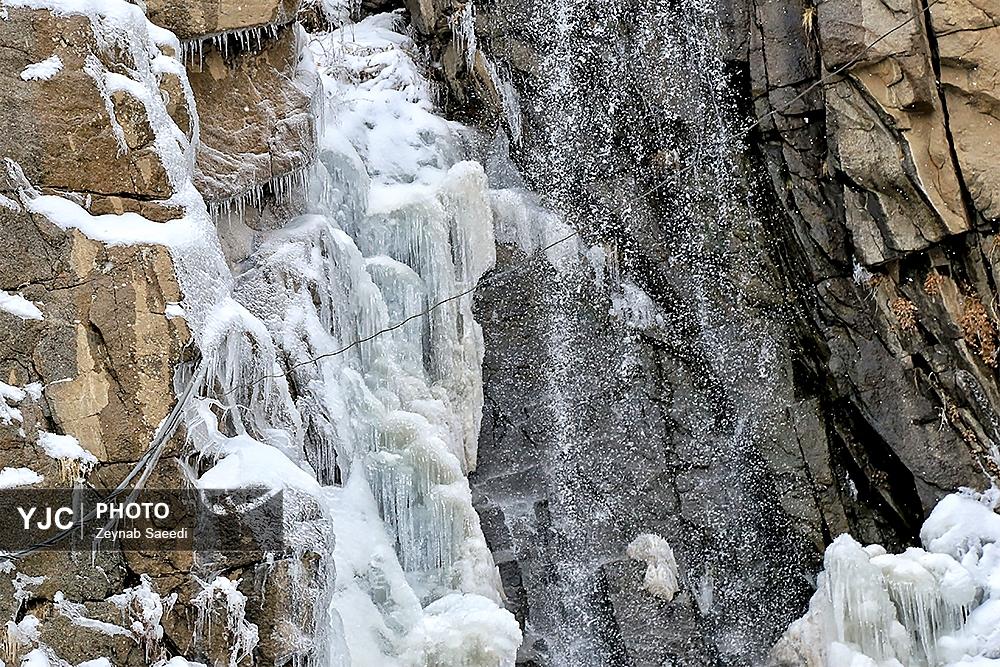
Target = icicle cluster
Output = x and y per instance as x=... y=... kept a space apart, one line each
x=463 y=27
x=508 y=97
x=278 y=190
x=230 y=41
x=929 y=607
x=242 y=635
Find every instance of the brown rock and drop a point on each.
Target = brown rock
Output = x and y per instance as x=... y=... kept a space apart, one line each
x=257 y=123
x=897 y=74
x=67 y=135
x=190 y=19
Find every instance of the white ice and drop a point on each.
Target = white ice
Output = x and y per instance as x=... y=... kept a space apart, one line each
x=927 y=607
x=660 y=578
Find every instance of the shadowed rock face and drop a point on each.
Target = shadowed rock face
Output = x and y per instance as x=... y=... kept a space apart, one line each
x=883 y=213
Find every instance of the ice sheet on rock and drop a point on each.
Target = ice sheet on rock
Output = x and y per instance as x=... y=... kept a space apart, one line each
x=509 y=98
x=76 y=613
x=635 y=307
x=42 y=71
x=372 y=596
x=521 y=221
x=17 y=305
x=463 y=631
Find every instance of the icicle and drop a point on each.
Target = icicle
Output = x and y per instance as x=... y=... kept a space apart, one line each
x=508 y=98
x=463 y=27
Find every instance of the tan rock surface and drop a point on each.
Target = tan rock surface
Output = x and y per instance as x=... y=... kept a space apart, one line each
x=257 y=123
x=190 y=19
x=62 y=130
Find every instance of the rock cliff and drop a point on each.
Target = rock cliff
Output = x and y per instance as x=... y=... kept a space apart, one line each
x=865 y=258
x=744 y=298
x=102 y=121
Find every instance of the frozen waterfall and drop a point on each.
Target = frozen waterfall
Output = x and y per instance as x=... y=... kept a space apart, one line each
x=343 y=370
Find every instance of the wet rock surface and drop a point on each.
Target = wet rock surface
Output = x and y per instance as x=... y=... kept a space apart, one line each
x=865 y=273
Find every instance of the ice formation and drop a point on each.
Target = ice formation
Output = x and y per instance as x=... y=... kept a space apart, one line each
x=76 y=613
x=463 y=26
x=927 y=607
x=245 y=39
x=339 y=365
x=242 y=635
x=141 y=610
x=660 y=578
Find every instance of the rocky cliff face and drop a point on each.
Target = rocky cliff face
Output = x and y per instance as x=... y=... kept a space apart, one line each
x=101 y=118
x=881 y=205
x=866 y=261
x=709 y=350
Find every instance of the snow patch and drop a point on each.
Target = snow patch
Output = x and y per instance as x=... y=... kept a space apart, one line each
x=9 y=204
x=17 y=305
x=76 y=461
x=42 y=71
x=11 y=396
x=11 y=478
x=178 y=661
x=35 y=658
